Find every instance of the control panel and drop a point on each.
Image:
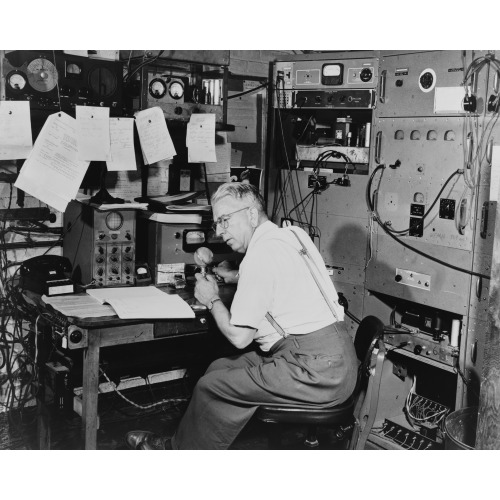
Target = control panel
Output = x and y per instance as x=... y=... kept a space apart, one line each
x=346 y=83
x=114 y=248
x=100 y=244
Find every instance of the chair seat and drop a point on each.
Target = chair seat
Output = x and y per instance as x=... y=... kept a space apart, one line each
x=285 y=414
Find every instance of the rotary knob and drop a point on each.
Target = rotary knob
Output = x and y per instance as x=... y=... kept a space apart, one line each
x=75 y=336
x=417 y=349
x=366 y=75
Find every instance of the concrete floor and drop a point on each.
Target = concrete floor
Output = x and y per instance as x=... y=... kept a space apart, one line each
x=117 y=417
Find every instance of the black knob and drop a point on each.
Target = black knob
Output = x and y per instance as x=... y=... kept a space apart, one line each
x=398 y=278
x=366 y=75
x=178 y=110
x=399 y=83
x=417 y=349
x=75 y=336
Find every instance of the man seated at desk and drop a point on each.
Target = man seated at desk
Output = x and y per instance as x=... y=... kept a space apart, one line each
x=305 y=355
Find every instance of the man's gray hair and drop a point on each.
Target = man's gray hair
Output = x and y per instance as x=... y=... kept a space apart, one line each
x=241 y=191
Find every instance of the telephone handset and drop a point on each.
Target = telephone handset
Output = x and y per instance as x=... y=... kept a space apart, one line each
x=47 y=274
x=51 y=264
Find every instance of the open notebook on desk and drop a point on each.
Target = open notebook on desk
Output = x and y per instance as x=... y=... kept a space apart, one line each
x=143 y=303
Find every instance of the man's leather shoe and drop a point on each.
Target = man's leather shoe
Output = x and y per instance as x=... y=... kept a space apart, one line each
x=145 y=440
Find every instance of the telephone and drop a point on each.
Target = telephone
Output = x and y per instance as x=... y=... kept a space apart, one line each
x=47 y=274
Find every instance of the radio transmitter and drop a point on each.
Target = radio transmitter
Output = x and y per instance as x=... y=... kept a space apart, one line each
x=100 y=245
x=53 y=81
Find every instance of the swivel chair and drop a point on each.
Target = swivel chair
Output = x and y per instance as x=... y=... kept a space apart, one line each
x=341 y=418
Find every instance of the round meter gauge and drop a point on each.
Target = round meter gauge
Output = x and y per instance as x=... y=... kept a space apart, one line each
x=114 y=220
x=42 y=74
x=16 y=80
x=176 y=90
x=157 y=88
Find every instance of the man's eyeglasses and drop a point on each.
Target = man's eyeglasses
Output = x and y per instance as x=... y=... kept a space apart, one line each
x=223 y=220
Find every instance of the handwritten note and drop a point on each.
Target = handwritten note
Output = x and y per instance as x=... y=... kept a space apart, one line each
x=122 y=154
x=15 y=130
x=200 y=138
x=52 y=173
x=92 y=126
x=156 y=143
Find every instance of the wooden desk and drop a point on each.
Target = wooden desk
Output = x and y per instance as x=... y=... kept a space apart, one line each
x=90 y=334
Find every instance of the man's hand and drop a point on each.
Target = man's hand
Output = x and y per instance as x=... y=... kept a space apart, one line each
x=225 y=271
x=206 y=288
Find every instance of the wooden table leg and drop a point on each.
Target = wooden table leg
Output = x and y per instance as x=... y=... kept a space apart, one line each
x=90 y=389
x=43 y=414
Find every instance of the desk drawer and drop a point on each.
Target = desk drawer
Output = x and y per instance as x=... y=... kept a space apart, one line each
x=179 y=327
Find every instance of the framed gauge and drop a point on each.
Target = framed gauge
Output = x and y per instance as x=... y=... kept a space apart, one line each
x=16 y=80
x=332 y=74
x=114 y=220
x=42 y=74
x=102 y=82
x=73 y=70
x=157 y=88
x=176 y=89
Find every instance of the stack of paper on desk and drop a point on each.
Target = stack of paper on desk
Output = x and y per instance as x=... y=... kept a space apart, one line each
x=127 y=303
x=143 y=302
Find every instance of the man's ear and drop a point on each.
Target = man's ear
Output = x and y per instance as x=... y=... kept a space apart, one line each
x=254 y=216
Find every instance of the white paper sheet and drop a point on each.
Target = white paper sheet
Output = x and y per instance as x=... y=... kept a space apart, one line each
x=52 y=172
x=16 y=141
x=103 y=294
x=156 y=143
x=122 y=153
x=143 y=302
x=449 y=99
x=200 y=138
x=92 y=126
x=495 y=173
x=219 y=171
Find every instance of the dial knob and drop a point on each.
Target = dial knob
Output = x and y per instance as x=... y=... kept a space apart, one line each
x=398 y=278
x=366 y=75
x=75 y=336
x=417 y=349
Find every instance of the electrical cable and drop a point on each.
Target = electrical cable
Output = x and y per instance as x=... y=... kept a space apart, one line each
x=255 y=89
x=375 y=215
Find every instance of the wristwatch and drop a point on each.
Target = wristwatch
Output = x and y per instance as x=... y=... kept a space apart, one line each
x=213 y=300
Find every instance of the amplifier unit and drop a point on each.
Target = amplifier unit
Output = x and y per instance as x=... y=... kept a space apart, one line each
x=345 y=83
x=100 y=245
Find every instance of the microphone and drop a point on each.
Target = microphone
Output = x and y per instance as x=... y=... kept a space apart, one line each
x=203 y=258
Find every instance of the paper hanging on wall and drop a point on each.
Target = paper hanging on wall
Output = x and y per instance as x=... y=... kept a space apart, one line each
x=219 y=171
x=200 y=138
x=52 y=173
x=495 y=172
x=154 y=137
x=16 y=141
x=92 y=129
x=122 y=153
